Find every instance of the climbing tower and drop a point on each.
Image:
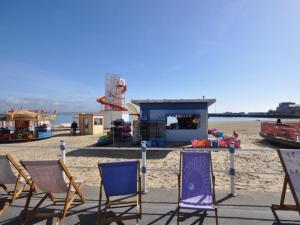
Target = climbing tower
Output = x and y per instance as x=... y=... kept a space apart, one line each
x=115 y=88
x=113 y=101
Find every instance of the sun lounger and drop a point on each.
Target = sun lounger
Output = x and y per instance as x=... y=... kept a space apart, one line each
x=196 y=183
x=119 y=179
x=8 y=177
x=51 y=177
x=290 y=160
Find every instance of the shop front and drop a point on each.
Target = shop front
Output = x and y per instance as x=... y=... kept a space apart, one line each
x=178 y=120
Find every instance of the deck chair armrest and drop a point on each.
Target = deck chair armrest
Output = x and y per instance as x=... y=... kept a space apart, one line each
x=25 y=176
x=18 y=168
x=77 y=184
x=65 y=169
x=179 y=186
x=214 y=189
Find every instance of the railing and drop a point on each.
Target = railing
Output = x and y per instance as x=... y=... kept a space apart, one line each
x=232 y=170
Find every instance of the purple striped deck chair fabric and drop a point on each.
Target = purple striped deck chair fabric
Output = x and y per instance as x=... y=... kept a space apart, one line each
x=197 y=190
x=7 y=176
x=119 y=178
x=47 y=175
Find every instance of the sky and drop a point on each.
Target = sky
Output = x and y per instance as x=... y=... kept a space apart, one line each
x=55 y=54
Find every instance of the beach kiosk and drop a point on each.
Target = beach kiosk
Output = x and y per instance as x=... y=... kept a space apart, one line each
x=25 y=125
x=174 y=120
x=90 y=124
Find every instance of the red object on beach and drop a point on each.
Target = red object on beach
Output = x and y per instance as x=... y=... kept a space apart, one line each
x=237 y=144
x=235 y=134
x=230 y=140
x=198 y=143
x=194 y=143
x=208 y=144
x=213 y=131
x=201 y=143
x=223 y=144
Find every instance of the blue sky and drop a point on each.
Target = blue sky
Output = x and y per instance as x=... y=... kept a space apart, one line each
x=245 y=53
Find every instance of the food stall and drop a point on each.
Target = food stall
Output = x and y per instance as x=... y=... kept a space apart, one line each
x=25 y=125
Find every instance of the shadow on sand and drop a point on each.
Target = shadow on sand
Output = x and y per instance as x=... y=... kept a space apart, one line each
x=265 y=143
x=116 y=153
x=64 y=134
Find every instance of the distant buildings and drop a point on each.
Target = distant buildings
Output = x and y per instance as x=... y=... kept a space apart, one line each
x=284 y=110
x=289 y=108
x=256 y=113
x=235 y=114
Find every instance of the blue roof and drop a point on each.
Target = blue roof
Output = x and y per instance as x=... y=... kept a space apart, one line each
x=172 y=101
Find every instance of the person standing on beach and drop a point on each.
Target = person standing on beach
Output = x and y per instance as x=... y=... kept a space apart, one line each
x=74 y=127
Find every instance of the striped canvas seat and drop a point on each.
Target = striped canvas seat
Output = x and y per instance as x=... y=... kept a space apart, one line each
x=196 y=182
x=8 y=176
x=51 y=177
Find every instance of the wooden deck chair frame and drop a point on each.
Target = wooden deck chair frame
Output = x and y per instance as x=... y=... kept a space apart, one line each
x=109 y=203
x=179 y=190
x=70 y=198
x=18 y=187
x=286 y=182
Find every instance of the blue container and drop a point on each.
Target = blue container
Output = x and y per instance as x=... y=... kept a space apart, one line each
x=45 y=134
x=104 y=141
x=154 y=143
x=161 y=143
x=219 y=134
x=215 y=143
x=149 y=143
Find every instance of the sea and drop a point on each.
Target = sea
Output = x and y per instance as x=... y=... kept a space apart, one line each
x=65 y=118
x=68 y=117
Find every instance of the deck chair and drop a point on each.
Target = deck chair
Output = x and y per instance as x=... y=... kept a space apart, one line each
x=120 y=179
x=8 y=177
x=290 y=160
x=51 y=177
x=196 y=183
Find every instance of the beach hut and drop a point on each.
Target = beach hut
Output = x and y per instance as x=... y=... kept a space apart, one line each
x=174 y=120
x=25 y=125
x=90 y=124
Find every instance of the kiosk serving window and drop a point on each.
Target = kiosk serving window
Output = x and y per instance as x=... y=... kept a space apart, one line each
x=98 y=121
x=183 y=122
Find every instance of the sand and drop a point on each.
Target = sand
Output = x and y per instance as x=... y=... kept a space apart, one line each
x=258 y=170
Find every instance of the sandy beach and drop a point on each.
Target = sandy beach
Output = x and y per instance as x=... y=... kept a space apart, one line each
x=256 y=167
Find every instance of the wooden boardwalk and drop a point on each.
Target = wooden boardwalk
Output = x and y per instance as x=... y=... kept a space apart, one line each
x=159 y=207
